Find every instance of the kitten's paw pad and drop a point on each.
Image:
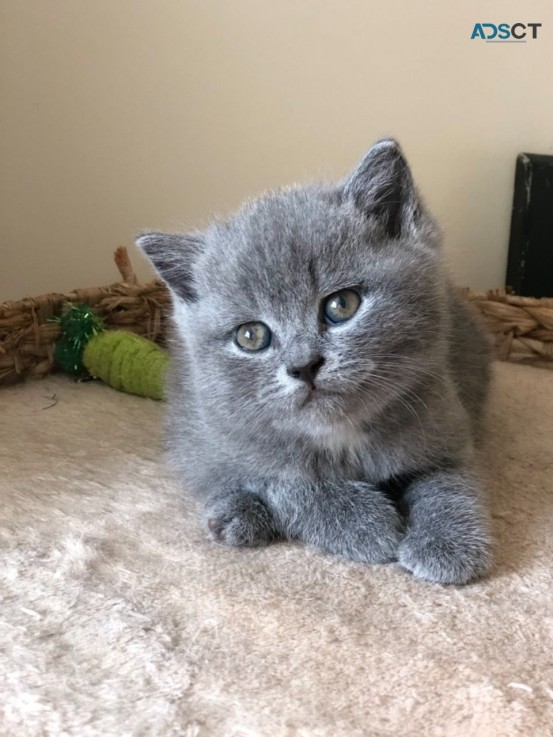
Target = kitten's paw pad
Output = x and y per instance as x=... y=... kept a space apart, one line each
x=440 y=560
x=241 y=523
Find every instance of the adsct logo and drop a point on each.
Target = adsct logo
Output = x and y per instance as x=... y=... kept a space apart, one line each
x=505 y=33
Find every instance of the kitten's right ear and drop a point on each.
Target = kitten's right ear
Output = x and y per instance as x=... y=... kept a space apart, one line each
x=172 y=255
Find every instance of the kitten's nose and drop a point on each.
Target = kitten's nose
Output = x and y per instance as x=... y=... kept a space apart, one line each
x=307 y=372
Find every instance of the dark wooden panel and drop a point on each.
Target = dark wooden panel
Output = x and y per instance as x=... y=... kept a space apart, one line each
x=530 y=262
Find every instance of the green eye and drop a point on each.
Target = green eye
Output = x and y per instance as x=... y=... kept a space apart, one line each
x=340 y=306
x=253 y=336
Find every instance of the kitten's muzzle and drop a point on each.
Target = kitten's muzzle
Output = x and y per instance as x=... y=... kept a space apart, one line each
x=307 y=372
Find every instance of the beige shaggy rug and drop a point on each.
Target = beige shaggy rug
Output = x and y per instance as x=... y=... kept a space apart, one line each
x=119 y=617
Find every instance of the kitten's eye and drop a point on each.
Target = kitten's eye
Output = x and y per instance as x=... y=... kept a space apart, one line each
x=341 y=305
x=253 y=336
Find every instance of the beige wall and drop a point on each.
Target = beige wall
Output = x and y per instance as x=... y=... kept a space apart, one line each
x=119 y=115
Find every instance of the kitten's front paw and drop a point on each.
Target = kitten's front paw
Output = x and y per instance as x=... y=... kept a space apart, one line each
x=445 y=559
x=377 y=543
x=368 y=529
x=240 y=519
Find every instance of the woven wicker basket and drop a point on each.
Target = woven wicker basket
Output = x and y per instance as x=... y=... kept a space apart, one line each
x=522 y=327
x=27 y=335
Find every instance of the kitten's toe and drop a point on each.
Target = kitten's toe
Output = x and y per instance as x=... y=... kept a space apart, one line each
x=446 y=561
x=378 y=545
x=217 y=527
x=240 y=521
x=372 y=538
x=239 y=531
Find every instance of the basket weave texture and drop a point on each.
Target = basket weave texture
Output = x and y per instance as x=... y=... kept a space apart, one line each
x=522 y=327
x=28 y=337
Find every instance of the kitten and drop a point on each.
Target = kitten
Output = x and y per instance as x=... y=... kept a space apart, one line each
x=328 y=381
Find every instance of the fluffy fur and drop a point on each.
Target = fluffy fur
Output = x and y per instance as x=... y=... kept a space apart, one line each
x=374 y=464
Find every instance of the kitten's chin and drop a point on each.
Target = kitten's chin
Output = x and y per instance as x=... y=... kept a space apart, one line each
x=324 y=419
x=331 y=433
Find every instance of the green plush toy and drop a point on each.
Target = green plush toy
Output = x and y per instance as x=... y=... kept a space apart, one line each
x=123 y=360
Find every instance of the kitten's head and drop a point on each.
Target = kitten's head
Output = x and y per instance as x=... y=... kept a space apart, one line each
x=312 y=308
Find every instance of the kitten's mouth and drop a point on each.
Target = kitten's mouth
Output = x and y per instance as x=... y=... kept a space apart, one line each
x=316 y=394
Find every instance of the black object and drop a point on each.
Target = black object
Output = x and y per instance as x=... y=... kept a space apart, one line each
x=530 y=262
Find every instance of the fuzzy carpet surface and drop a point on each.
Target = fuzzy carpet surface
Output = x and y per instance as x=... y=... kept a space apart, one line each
x=119 y=617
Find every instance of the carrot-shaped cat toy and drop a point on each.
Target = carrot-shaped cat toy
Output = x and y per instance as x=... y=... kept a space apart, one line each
x=123 y=360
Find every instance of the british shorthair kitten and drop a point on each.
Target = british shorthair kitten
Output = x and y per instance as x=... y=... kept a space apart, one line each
x=328 y=381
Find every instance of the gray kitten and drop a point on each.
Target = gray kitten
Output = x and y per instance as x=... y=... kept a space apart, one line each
x=328 y=381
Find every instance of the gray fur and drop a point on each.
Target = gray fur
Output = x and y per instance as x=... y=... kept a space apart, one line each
x=381 y=468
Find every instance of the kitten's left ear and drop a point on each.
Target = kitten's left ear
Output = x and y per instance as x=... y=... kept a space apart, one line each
x=382 y=187
x=173 y=256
